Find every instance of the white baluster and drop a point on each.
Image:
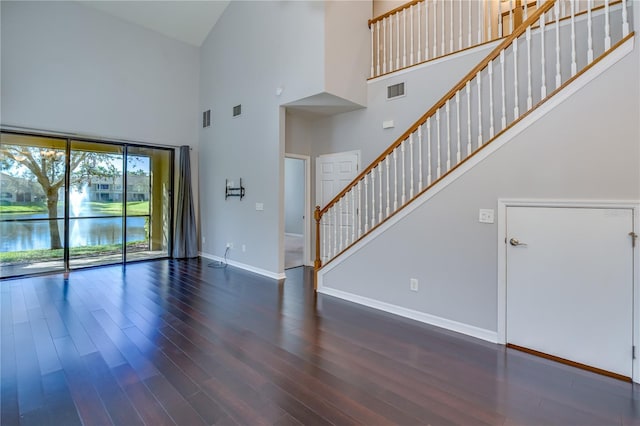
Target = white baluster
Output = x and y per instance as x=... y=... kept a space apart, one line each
x=458 y=126
x=353 y=214
x=556 y=10
x=447 y=109
x=504 y=93
x=324 y=227
x=426 y=30
x=529 y=93
x=526 y=11
x=574 y=66
x=390 y=43
x=516 y=107
x=468 y=91
x=377 y=24
x=625 y=19
x=419 y=32
x=340 y=226
x=404 y=37
x=451 y=49
x=490 y=30
x=607 y=26
x=429 y=139
x=469 y=42
x=420 y=157
x=411 y=165
x=589 y=31
x=479 y=86
x=372 y=56
x=387 y=164
x=359 y=211
x=384 y=46
x=372 y=176
x=543 y=74
x=438 y=168
x=564 y=7
x=398 y=40
x=480 y=20
x=366 y=204
x=404 y=173
x=442 y=44
x=395 y=179
x=500 y=22
x=411 y=35
x=379 y=167
x=511 y=16
x=435 y=28
x=491 y=126
x=459 y=25
x=335 y=230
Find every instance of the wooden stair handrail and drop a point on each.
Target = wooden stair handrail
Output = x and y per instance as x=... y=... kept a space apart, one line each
x=394 y=11
x=449 y=95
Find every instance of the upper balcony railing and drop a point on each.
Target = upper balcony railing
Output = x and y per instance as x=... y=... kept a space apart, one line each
x=423 y=30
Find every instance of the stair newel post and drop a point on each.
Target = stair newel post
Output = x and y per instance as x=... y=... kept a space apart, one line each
x=574 y=67
x=390 y=43
x=491 y=127
x=419 y=32
x=387 y=165
x=503 y=95
x=366 y=204
x=460 y=25
x=607 y=26
x=589 y=32
x=411 y=166
x=403 y=173
x=516 y=107
x=625 y=19
x=317 y=263
x=429 y=151
x=395 y=179
x=479 y=86
x=438 y=163
x=411 y=35
x=469 y=25
x=426 y=30
x=543 y=74
x=448 y=111
x=420 y=158
x=380 y=209
x=397 y=40
x=458 y=126
x=556 y=11
x=377 y=24
x=529 y=94
x=404 y=37
x=468 y=92
x=359 y=211
x=372 y=56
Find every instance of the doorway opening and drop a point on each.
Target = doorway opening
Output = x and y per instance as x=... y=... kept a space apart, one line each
x=297 y=211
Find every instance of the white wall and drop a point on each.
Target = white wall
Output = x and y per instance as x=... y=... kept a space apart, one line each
x=254 y=48
x=577 y=151
x=70 y=68
x=294 y=196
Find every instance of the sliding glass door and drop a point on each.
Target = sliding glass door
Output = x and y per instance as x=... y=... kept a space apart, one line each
x=67 y=204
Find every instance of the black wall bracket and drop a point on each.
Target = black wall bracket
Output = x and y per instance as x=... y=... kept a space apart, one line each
x=233 y=192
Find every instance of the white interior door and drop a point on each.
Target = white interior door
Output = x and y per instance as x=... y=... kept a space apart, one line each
x=570 y=284
x=333 y=173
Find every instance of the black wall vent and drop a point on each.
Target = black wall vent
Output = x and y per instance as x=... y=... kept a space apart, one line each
x=237 y=110
x=395 y=90
x=206 y=118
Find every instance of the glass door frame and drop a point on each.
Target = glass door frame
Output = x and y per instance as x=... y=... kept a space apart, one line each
x=68 y=139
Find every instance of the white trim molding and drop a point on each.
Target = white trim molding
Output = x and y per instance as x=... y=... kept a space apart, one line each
x=447 y=324
x=503 y=204
x=259 y=271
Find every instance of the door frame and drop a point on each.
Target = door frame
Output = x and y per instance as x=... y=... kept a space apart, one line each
x=306 y=227
x=503 y=204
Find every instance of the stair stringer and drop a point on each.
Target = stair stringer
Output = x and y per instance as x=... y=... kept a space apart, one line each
x=483 y=331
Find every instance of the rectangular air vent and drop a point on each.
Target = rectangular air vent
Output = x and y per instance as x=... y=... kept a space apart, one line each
x=237 y=110
x=206 y=118
x=395 y=91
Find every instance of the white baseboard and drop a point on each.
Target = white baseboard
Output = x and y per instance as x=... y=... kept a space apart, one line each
x=469 y=330
x=259 y=271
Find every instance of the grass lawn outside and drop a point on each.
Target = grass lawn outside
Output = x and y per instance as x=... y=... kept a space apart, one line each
x=30 y=256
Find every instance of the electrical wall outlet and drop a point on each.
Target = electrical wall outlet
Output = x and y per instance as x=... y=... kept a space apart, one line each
x=229 y=245
x=485 y=216
x=259 y=206
x=413 y=284
x=244 y=248
x=204 y=240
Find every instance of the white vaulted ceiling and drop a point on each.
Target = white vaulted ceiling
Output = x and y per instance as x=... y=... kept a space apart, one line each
x=185 y=20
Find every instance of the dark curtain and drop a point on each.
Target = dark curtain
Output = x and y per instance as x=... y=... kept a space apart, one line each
x=185 y=242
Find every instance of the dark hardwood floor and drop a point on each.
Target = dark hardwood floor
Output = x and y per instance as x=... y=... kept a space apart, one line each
x=176 y=342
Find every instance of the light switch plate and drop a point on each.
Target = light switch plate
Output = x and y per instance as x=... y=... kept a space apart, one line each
x=485 y=216
x=259 y=206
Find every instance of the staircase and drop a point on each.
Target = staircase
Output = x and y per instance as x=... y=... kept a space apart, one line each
x=554 y=45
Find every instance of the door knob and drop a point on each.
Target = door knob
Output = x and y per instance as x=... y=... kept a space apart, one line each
x=515 y=242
